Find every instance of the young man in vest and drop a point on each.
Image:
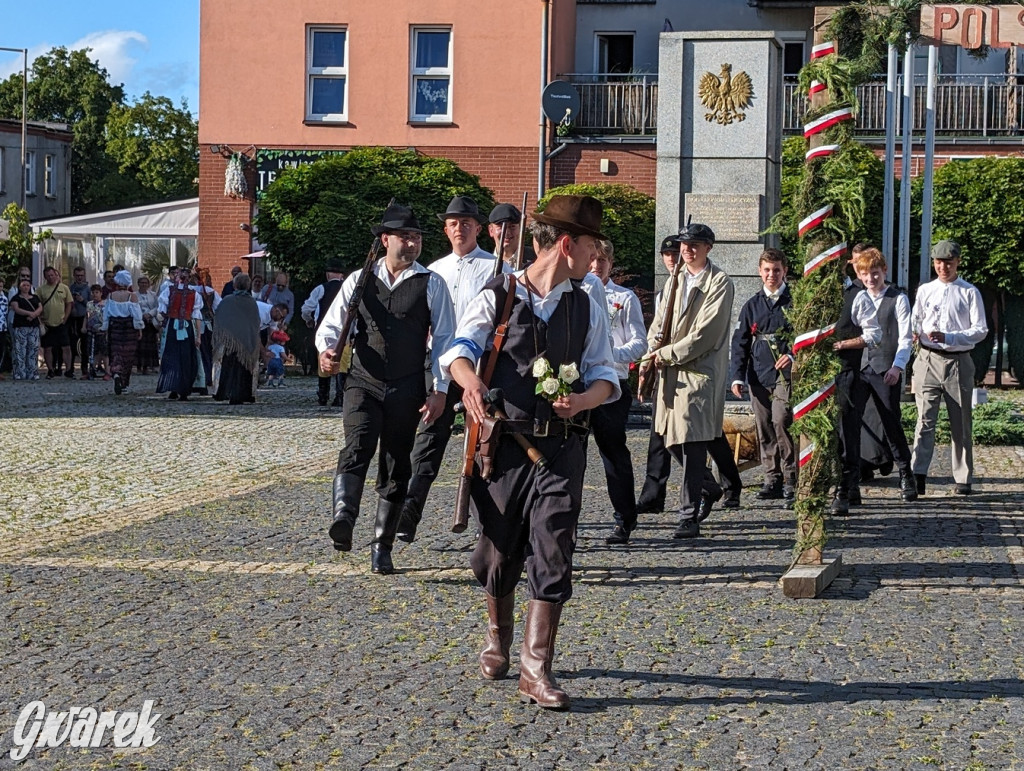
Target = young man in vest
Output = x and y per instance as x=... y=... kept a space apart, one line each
x=465 y=271
x=880 y=377
x=386 y=396
x=948 y=321
x=761 y=359
x=314 y=309
x=528 y=513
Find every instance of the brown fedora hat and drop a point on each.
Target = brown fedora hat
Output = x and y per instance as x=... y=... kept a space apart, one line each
x=580 y=215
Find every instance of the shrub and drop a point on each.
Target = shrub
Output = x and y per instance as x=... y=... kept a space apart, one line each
x=998 y=422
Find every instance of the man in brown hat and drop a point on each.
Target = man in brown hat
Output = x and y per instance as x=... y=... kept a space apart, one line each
x=385 y=392
x=557 y=343
x=465 y=271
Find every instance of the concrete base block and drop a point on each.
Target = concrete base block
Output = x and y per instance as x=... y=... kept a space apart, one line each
x=808 y=581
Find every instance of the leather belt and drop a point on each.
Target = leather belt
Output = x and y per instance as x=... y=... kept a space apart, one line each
x=945 y=354
x=542 y=428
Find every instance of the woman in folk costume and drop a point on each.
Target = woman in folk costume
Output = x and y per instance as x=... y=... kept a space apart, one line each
x=236 y=344
x=180 y=310
x=147 y=354
x=211 y=299
x=122 y=321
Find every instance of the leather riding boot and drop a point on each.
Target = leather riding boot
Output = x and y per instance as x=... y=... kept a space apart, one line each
x=348 y=492
x=535 y=680
x=494 y=656
x=384 y=529
x=412 y=508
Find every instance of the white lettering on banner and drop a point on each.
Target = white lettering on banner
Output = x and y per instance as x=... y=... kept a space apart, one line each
x=82 y=727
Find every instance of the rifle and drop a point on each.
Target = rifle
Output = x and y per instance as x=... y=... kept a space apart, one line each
x=460 y=519
x=522 y=236
x=648 y=370
x=357 y=294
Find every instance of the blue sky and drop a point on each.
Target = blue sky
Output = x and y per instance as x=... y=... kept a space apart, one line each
x=147 y=46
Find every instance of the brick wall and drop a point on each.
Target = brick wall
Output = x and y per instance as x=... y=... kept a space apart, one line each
x=221 y=241
x=944 y=155
x=633 y=166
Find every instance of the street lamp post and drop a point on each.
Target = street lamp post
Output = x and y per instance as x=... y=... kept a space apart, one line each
x=24 y=116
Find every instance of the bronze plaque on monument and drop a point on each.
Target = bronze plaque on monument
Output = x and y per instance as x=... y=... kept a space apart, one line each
x=732 y=217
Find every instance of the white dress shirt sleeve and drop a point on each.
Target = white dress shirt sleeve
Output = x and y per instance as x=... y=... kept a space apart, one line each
x=906 y=344
x=865 y=315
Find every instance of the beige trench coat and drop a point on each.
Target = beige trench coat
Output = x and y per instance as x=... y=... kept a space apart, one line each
x=690 y=400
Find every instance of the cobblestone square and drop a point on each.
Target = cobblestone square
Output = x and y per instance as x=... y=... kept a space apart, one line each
x=171 y=552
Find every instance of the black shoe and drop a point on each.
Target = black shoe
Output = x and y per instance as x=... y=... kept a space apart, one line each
x=908 y=490
x=732 y=500
x=118 y=388
x=688 y=528
x=707 y=502
x=963 y=490
x=867 y=475
x=618 y=537
x=70 y=374
x=789 y=493
x=840 y=505
x=855 y=499
x=50 y=375
x=341 y=533
x=380 y=559
x=173 y=396
x=770 y=492
x=920 y=480
x=339 y=401
x=321 y=400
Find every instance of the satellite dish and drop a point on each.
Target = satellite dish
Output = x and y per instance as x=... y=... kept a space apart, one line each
x=560 y=102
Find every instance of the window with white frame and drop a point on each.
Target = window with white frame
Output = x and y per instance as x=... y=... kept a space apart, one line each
x=327 y=74
x=431 y=97
x=49 y=183
x=30 y=173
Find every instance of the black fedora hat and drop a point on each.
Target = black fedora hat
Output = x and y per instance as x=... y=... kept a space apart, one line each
x=505 y=212
x=577 y=214
x=334 y=265
x=397 y=217
x=463 y=206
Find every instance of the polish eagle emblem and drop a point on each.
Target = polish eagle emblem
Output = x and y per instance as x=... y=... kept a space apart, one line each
x=725 y=95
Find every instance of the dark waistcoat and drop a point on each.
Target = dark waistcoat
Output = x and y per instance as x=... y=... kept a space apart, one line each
x=331 y=289
x=391 y=330
x=847 y=330
x=880 y=358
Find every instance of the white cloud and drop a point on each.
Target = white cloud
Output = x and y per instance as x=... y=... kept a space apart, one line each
x=114 y=50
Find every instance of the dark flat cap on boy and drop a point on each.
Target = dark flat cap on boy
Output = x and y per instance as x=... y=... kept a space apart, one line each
x=505 y=212
x=577 y=214
x=397 y=217
x=463 y=206
x=946 y=250
x=696 y=232
x=670 y=244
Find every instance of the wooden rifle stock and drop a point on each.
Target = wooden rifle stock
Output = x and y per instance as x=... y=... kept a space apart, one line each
x=460 y=519
x=648 y=370
x=352 y=310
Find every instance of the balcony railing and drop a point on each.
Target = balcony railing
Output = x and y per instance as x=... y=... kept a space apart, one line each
x=965 y=105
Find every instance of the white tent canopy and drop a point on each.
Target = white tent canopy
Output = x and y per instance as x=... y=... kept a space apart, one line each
x=99 y=240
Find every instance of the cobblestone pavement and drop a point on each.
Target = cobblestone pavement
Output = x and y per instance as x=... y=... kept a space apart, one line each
x=176 y=553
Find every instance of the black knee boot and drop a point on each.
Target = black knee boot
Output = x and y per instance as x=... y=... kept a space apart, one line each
x=348 y=491
x=323 y=391
x=412 y=508
x=384 y=530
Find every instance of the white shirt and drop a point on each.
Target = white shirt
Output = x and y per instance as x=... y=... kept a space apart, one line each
x=311 y=307
x=205 y=292
x=864 y=314
x=466 y=276
x=475 y=333
x=442 y=323
x=161 y=303
x=626 y=321
x=774 y=296
x=955 y=309
x=906 y=342
x=264 y=310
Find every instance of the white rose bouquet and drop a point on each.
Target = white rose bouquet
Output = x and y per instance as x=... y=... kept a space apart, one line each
x=552 y=385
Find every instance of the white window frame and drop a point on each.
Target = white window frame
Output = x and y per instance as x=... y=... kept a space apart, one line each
x=30 y=172
x=49 y=176
x=416 y=73
x=325 y=73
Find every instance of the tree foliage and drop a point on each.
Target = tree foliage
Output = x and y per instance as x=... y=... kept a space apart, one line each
x=69 y=87
x=16 y=251
x=325 y=210
x=628 y=222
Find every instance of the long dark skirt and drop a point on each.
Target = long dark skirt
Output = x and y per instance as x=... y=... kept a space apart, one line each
x=146 y=354
x=178 y=363
x=235 y=384
x=123 y=339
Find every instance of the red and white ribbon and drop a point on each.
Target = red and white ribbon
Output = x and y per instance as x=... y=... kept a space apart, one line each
x=827 y=121
x=814 y=219
x=816 y=87
x=821 y=151
x=828 y=255
x=815 y=336
x=823 y=49
x=805 y=455
x=814 y=400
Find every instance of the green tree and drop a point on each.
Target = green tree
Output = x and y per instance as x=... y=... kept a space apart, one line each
x=325 y=209
x=156 y=145
x=628 y=222
x=16 y=250
x=68 y=87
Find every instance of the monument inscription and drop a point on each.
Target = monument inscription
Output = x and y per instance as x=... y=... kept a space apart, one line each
x=732 y=217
